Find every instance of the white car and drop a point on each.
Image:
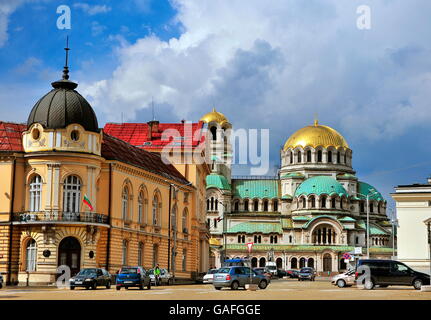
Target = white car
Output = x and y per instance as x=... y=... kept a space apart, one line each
x=346 y=279
x=209 y=277
x=1 y=281
x=165 y=277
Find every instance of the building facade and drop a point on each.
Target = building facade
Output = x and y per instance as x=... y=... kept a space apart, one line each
x=73 y=195
x=311 y=214
x=413 y=205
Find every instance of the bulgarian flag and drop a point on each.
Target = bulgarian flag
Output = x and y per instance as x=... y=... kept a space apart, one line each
x=87 y=202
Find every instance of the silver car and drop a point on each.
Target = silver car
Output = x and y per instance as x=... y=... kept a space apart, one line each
x=346 y=279
x=165 y=277
x=235 y=277
x=1 y=281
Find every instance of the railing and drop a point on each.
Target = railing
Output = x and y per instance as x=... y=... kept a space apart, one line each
x=243 y=177
x=52 y=216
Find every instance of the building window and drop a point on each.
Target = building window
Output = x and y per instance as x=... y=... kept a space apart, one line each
x=313 y=202
x=236 y=206
x=333 y=203
x=141 y=254
x=319 y=156
x=257 y=239
x=35 y=193
x=299 y=157
x=323 y=202
x=31 y=255
x=241 y=239
x=371 y=207
x=291 y=156
x=273 y=239
x=155 y=254
x=294 y=263
x=309 y=156
x=184 y=260
x=290 y=239
x=329 y=156
x=256 y=205
x=362 y=206
x=125 y=252
x=345 y=158
x=208 y=204
x=141 y=208
x=265 y=205
x=324 y=235
x=71 y=194
x=214 y=133
x=338 y=157
x=246 y=205
x=275 y=205
x=156 y=210
x=215 y=223
x=304 y=203
x=125 y=203
x=356 y=240
x=185 y=220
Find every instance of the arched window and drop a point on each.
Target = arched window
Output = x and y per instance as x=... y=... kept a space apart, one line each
x=184 y=260
x=275 y=205
x=313 y=202
x=345 y=158
x=310 y=263
x=256 y=205
x=265 y=205
x=216 y=204
x=341 y=203
x=371 y=207
x=246 y=205
x=214 y=133
x=309 y=156
x=319 y=156
x=174 y=218
x=329 y=156
x=208 y=204
x=35 y=193
x=236 y=206
x=333 y=203
x=71 y=194
x=378 y=208
x=324 y=235
x=141 y=208
x=155 y=254
x=141 y=254
x=185 y=221
x=302 y=263
x=299 y=156
x=254 y=262
x=291 y=156
x=262 y=262
x=362 y=206
x=125 y=203
x=125 y=252
x=338 y=157
x=290 y=239
x=323 y=202
x=304 y=203
x=294 y=263
x=156 y=210
x=31 y=255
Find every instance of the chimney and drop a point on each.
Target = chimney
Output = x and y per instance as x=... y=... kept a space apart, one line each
x=153 y=127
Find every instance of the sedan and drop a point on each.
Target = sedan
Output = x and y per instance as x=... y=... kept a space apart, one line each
x=344 y=279
x=133 y=277
x=306 y=274
x=235 y=277
x=293 y=273
x=91 y=278
x=209 y=277
x=165 y=277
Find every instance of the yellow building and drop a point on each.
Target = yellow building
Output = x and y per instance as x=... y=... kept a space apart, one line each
x=131 y=198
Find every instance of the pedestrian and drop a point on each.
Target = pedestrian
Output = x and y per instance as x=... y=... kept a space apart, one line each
x=157 y=274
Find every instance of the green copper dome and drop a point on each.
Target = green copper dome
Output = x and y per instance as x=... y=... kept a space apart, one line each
x=217 y=181
x=321 y=185
x=365 y=189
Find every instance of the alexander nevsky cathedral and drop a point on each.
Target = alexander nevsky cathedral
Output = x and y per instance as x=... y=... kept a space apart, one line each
x=311 y=214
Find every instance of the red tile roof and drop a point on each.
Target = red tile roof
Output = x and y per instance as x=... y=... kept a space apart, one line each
x=11 y=136
x=183 y=135
x=116 y=149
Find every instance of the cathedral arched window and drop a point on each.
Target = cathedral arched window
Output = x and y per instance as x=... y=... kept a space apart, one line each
x=275 y=205
x=345 y=158
x=246 y=205
x=291 y=156
x=214 y=133
x=324 y=234
x=338 y=157
x=313 y=202
x=309 y=156
x=319 y=156
x=299 y=157
x=304 y=203
x=265 y=205
x=333 y=203
x=362 y=206
x=35 y=193
x=329 y=156
x=256 y=205
x=323 y=202
x=236 y=206
x=371 y=207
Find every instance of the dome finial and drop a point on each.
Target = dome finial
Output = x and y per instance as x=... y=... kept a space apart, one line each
x=316 y=120
x=66 y=67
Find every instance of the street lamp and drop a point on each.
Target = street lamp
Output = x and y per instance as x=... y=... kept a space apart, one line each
x=394 y=222
x=428 y=223
x=368 y=217
x=224 y=232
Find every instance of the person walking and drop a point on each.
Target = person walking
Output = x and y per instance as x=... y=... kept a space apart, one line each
x=157 y=274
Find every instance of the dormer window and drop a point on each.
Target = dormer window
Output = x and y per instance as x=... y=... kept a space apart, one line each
x=35 y=134
x=74 y=135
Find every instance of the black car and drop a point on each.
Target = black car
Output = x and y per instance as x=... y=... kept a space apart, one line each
x=389 y=273
x=292 y=273
x=91 y=278
x=281 y=273
x=306 y=274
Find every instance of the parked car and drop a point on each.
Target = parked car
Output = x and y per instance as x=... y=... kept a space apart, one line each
x=165 y=277
x=306 y=273
x=292 y=273
x=1 y=281
x=389 y=272
x=209 y=277
x=235 y=277
x=236 y=262
x=271 y=267
x=345 y=279
x=91 y=278
x=133 y=277
x=263 y=271
x=281 y=273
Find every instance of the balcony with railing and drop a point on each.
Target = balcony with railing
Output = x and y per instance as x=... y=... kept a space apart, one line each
x=57 y=216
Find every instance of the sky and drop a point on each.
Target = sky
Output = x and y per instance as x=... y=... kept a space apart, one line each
x=272 y=65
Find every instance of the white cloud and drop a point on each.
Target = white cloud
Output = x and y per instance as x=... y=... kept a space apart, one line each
x=92 y=10
x=7 y=7
x=276 y=65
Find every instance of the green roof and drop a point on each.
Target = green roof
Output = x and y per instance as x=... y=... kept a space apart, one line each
x=321 y=185
x=301 y=218
x=347 y=176
x=217 y=181
x=309 y=248
x=347 y=219
x=256 y=227
x=287 y=196
x=293 y=175
x=365 y=189
x=374 y=229
x=255 y=188
x=318 y=217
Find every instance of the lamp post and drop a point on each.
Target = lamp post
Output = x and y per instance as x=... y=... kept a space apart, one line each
x=224 y=232
x=428 y=223
x=368 y=217
x=394 y=222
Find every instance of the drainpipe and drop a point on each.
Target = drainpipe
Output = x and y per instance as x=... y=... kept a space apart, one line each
x=9 y=267
x=108 y=247
x=169 y=229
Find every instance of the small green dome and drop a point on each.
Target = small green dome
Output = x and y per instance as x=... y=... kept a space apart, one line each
x=293 y=175
x=365 y=189
x=321 y=185
x=217 y=181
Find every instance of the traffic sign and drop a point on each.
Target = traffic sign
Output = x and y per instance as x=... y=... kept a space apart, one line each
x=249 y=246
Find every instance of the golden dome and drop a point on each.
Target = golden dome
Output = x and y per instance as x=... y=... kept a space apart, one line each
x=215 y=116
x=314 y=136
x=214 y=242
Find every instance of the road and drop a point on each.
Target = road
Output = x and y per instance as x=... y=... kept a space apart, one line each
x=277 y=290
